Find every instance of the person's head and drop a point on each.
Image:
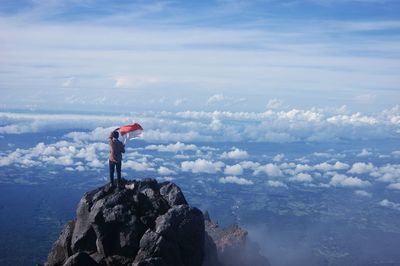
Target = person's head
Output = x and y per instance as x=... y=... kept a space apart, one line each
x=115 y=134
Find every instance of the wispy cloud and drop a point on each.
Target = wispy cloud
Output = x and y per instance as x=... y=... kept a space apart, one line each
x=362 y=193
x=273 y=183
x=390 y=204
x=274 y=104
x=177 y=147
x=134 y=82
x=215 y=98
x=159 y=46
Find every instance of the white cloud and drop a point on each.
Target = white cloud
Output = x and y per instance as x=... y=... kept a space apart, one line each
x=98 y=134
x=249 y=165
x=165 y=171
x=274 y=104
x=279 y=137
x=356 y=119
x=216 y=124
x=180 y=101
x=364 y=153
x=273 y=183
x=134 y=82
x=201 y=166
x=181 y=157
x=346 y=181
x=23 y=181
x=340 y=166
x=389 y=173
x=361 y=168
x=162 y=135
x=235 y=180
x=362 y=193
x=389 y=204
x=288 y=165
x=270 y=169
x=166 y=178
x=215 y=98
x=69 y=82
x=177 y=147
x=330 y=167
x=223 y=57
x=322 y=154
x=301 y=177
x=138 y=166
x=80 y=168
x=61 y=153
x=96 y=163
x=394 y=186
x=303 y=168
x=235 y=153
x=18 y=123
x=233 y=170
x=278 y=158
x=188 y=126
x=367 y=98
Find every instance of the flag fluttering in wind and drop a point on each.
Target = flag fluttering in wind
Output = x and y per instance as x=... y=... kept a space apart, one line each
x=130 y=131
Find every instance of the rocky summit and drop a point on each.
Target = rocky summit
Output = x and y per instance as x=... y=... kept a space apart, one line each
x=146 y=223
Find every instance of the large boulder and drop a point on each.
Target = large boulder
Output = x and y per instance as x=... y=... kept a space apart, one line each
x=146 y=223
x=137 y=223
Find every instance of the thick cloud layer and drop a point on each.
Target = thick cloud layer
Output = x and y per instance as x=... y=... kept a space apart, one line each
x=191 y=147
x=220 y=165
x=269 y=126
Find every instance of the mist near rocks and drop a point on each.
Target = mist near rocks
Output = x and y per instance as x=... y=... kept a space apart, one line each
x=333 y=243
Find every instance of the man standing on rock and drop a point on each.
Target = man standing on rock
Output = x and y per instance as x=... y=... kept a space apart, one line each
x=115 y=158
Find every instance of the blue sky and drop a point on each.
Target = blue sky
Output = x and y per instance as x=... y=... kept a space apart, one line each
x=199 y=55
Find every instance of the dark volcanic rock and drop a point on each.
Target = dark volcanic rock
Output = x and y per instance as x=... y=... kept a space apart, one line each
x=172 y=194
x=210 y=252
x=233 y=246
x=145 y=223
x=80 y=259
x=62 y=247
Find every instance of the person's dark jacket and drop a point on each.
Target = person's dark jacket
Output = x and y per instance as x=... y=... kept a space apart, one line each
x=116 y=149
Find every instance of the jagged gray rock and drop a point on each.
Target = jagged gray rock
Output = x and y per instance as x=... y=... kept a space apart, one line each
x=233 y=246
x=80 y=259
x=61 y=248
x=145 y=223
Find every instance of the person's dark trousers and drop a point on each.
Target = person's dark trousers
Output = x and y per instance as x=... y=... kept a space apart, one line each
x=113 y=166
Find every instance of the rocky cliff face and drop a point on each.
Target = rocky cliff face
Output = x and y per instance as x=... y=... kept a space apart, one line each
x=147 y=223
